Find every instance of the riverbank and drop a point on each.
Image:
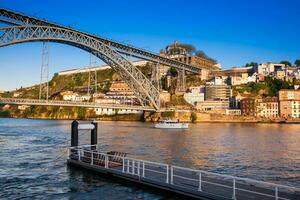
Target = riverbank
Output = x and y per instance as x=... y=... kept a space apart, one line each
x=181 y=116
x=201 y=117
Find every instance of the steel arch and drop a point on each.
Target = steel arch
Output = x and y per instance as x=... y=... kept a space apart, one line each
x=147 y=93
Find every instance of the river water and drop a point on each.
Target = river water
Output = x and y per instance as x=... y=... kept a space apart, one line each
x=33 y=156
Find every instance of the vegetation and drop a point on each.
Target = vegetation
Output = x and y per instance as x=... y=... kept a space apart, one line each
x=274 y=85
x=194 y=80
x=251 y=64
x=201 y=54
x=173 y=71
x=193 y=117
x=270 y=87
x=287 y=63
x=297 y=62
x=5 y=113
x=190 y=49
x=253 y=88
x=168 y=114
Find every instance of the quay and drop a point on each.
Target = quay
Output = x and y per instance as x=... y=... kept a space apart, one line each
x=192 y=183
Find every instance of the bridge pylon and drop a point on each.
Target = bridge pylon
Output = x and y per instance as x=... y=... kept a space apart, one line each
x=44 y=76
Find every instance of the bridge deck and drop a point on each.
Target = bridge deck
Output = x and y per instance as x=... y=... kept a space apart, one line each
x=188 y=182
x=41 y=102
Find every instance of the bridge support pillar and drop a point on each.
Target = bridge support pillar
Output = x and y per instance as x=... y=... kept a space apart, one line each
x=94 y=134
x=74 y=133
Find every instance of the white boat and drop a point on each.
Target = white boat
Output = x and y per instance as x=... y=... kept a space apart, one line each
x=171 y=124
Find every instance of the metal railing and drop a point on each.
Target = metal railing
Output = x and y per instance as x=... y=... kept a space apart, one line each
x=197 y=181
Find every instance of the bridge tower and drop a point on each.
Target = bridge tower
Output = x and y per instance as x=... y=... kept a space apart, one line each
x=181 y=80
x=92 y=79
x=44 y=78
x=155 y=76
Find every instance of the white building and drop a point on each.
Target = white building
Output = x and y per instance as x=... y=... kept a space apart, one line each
x=100 y=67
x=269 y=68
x=16 y=94
x=218 y=80
x=195 y=95
x=23 y=107
x=71 y=96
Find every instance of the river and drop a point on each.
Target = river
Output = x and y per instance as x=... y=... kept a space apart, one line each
x=33 y=156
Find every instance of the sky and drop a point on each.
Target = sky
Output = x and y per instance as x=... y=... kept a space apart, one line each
x=233 y=32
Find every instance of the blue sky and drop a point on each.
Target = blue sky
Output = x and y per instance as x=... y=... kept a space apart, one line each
x=232 y=31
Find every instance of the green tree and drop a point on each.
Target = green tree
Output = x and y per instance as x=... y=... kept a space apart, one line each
x=297 y=62
x=202 y=54
x=173 y=71
x=274 y=85
x=287 y=63
x=193 y=117
x=81 y=113
x=5 y=113
x=168 y=114
x=251 y=64
x=188 y=47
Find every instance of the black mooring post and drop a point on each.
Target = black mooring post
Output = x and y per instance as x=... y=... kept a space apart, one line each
x=94 y=135
x=74 y=134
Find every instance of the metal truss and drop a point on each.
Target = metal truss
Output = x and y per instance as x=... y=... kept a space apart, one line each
x=137 y=81
x=15 y=18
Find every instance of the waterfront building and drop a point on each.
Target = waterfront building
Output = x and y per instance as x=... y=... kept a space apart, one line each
x=248 y=106
x=289 y=102
x=216 y=106
x=233 y=112
x=194 y=95
x=218 y=92
x=267 y=107
x=112 y=111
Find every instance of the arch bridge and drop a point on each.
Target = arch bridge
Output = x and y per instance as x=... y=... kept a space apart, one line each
x=23 y=28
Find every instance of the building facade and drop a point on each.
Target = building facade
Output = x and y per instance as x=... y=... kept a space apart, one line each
x=267 y=107
x=248 y=106
x=233 y=112
x=213 y=106
x=218 y=92
x=289 y=101
x=195 y=95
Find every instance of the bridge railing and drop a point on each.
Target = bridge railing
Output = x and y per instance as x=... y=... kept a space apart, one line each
x=194 y=180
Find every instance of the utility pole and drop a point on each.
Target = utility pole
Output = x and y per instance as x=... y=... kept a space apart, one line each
x=44 y=78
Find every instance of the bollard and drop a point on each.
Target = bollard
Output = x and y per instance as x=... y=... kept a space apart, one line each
x=94 y=135
x=74 y=133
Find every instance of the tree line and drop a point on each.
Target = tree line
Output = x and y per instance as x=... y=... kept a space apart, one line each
x=287 y=63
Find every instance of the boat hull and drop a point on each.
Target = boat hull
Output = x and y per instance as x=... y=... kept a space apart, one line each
x=172 y=126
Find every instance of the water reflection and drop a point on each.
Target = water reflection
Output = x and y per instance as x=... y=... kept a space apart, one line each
x=32 y=155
